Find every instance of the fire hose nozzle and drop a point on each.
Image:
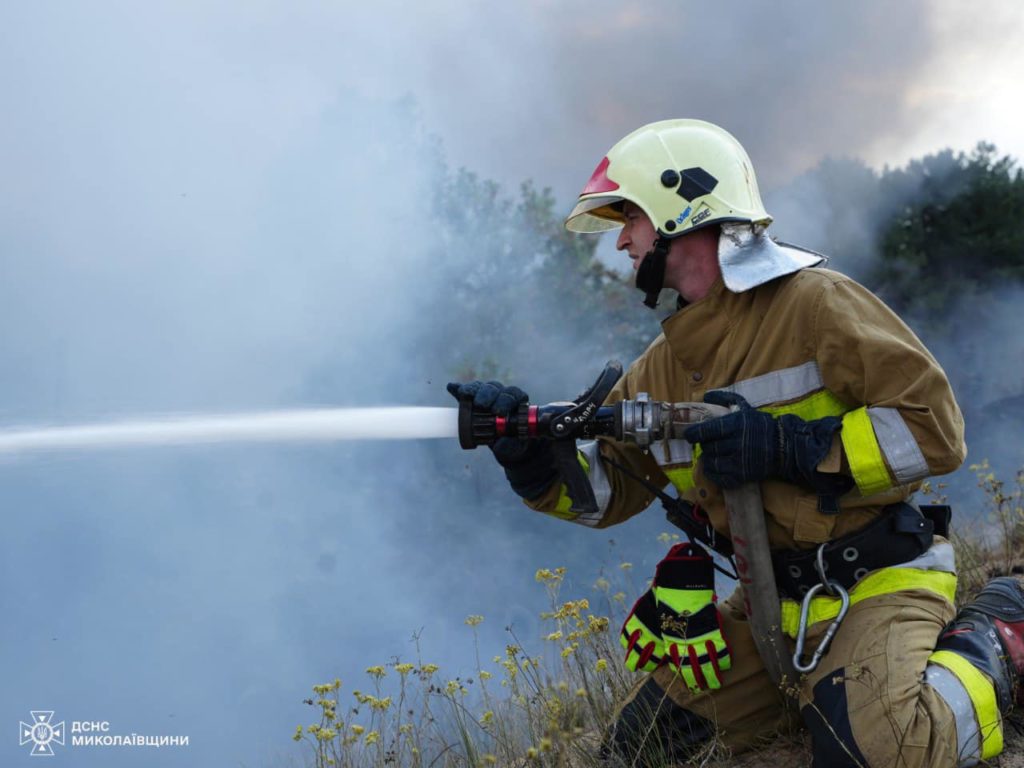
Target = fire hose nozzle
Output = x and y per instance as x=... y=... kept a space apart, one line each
x=582 y=418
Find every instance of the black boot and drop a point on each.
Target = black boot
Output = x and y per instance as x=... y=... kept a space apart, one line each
x=989 y=633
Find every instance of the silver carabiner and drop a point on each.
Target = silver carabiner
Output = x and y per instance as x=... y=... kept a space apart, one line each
x=826 y=640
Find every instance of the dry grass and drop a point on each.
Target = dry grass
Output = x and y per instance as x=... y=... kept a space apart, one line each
x=550 y=708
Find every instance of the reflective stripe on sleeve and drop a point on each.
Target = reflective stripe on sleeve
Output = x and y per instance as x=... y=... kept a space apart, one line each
x=864 y=453
x=672 y=452
x=983 y=697
x=898 y=444
x=680 y=477
x=953 y=692
x=589 y=457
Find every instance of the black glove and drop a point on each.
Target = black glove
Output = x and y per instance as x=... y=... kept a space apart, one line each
x=751 y=445
x=529 y=464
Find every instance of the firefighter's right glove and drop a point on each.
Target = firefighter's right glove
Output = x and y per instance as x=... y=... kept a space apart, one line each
x=691 y=627
x=529 y=464
x=640 y=637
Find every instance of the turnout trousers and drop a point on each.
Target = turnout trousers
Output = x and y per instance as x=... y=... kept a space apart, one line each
x=870 y=702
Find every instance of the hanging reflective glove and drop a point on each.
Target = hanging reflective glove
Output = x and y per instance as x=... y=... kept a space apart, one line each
x=640 y=636
x=691 y=628
x=529 y=464
x=750 y=445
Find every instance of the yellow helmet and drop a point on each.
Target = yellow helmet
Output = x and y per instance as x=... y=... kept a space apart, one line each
x=683 y=174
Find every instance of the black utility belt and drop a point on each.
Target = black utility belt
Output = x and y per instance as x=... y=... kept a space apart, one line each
x=901 y=533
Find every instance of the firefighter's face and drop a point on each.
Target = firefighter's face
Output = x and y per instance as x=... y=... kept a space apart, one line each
x=692 y=262
x=637 y=235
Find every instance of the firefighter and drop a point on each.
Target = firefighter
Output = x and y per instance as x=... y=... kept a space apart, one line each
x=840 y=413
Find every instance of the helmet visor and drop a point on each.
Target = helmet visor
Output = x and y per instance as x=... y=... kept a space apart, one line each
x=596 y=214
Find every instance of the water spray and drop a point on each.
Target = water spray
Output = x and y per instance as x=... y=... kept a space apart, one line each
x=312 y=425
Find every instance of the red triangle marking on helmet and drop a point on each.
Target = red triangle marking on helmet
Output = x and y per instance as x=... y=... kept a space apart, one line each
x=600 y=182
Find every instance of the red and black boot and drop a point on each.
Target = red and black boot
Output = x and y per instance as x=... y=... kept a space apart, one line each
x=989 y=633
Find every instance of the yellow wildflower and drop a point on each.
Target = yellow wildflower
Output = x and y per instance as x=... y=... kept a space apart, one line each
x=372 y=737
x=545 y=744
x=601 y=665
x=405 y=728
x=554 y=636
x=487 y=717
x=602 y=584
x=474 y=620
x=381 y=704
x=531 y=754
x=429 y=669
x=357 y=729
x=298 y=733
x=376 y=671
x=625 y=566
x=490 y=759
x=485 y=675
x=404 y=669
x=581 y=692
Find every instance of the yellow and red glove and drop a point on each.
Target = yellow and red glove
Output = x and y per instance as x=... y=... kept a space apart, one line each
x=640 y=635
x=688 y=618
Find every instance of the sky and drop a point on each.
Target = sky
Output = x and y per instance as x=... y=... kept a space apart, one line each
x=209 y=207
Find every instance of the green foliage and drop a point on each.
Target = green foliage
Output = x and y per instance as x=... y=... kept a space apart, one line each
x=528 y=301
x=962 y=236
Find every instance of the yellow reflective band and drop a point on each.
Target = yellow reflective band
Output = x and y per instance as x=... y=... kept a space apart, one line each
x=882 y=582
x=864 y=453
x=983 y=696
x=680 y=477
x=562 y=507
x=817 y=406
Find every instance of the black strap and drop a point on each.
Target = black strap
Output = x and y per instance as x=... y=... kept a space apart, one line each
x=683 y=515
x=900 y=534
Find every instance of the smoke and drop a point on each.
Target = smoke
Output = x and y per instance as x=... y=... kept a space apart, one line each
x=209 y=210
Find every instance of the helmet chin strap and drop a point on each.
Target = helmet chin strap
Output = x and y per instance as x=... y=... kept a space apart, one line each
x=650 y=276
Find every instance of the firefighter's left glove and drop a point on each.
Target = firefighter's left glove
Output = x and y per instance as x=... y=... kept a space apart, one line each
x=690 y=625
x=749 y=445
x=640 y=637
x=529 y=464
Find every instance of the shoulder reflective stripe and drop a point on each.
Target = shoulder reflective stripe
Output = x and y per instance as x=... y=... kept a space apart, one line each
x=939 y=557
x=983 y=696
x=881 y=582
x=953 y=692
x=898 y=444
x=817 y=406
x=681 y=478
x=776 y=386
x=863 y=453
